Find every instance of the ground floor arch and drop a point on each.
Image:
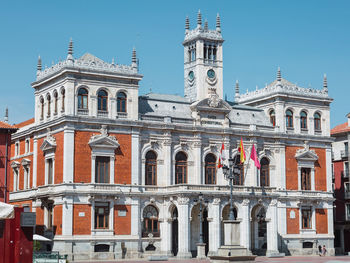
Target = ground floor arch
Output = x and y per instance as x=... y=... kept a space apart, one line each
x=258 y=230
x=195 y=228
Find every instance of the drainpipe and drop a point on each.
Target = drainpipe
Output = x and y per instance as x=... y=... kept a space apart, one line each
x=6 y=157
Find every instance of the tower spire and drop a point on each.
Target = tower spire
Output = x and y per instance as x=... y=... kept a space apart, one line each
x=218 y=23
x=199 y=19
x=187 y=23
x=70 y=50
x=6 y=118
x=237 y=90
x=279 y=77
x=206 y=25
x=325 y=83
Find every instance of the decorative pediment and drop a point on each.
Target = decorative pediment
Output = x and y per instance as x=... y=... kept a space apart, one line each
x=49 y=143
x=103 y=140
x=25 y=162
x=213 y=104
x=306 y=154
x=15 y=164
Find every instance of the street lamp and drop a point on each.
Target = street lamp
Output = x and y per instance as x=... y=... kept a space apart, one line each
x=230 y=172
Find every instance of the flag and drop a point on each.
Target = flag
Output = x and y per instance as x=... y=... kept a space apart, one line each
x=222 y=156
x=254 y=157
x=242 y=152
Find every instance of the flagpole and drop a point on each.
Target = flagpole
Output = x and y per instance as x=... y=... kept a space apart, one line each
x=246 y=170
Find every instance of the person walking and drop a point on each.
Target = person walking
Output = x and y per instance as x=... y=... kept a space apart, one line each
x=320 y=250
x=324 y=250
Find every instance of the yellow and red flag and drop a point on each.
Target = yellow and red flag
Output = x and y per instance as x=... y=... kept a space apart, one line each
x=242 y=152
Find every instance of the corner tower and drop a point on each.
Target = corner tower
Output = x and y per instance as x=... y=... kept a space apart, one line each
x=202 y=60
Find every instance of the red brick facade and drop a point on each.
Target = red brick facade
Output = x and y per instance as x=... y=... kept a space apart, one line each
x=293 y=223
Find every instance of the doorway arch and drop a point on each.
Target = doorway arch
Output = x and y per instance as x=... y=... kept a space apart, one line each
x=195 y=229
x=174 y=231
x=258 y=230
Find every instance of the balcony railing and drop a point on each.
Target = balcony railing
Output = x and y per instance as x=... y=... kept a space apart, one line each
x=83 y=111
x=102 y=113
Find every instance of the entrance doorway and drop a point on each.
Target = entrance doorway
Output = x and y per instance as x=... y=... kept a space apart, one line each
x=258 y=231
x=174 y=232
x=195 y=229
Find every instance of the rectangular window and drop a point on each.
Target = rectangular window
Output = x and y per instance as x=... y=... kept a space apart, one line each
x=347 y=212
x=347 y=187
x=346 y=148
x=346 y=169
x=306 y=215
x=49 y=171
x=49 y=216
x=305 y=179
x=102 y=170
x=101 y=215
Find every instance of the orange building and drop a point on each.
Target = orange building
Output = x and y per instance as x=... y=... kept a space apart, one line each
x=111 y=174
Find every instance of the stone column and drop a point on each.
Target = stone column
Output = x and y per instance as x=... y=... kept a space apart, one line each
x=112 y=173
x=184 y=225
x=167 y=167
x=214 y=227
x=272 y=239
x=135 y=152
x=329 y=168
x=67 y=216
x=165 y=231
x=68 y=155
x=245 y=234
x=197 y=152
x=35 y=161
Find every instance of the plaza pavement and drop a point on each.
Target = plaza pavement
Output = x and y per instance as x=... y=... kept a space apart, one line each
x=306 y=259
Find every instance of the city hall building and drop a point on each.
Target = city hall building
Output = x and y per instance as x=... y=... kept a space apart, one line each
x=114 y=174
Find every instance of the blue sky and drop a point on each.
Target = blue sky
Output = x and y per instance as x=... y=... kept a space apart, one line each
x=305 y=38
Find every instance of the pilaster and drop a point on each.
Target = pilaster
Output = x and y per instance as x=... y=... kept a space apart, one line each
x=68 y=155
x=214 y=227
x=272 y=241
x=35 y=161
x=67 y=216
x=184 y=223
x=245 y=234
x=135 y=152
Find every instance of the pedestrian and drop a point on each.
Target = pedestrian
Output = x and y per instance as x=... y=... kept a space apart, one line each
x=324 y=250
x=320 y=250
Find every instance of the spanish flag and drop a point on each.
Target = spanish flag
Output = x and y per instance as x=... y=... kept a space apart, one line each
x=242 y=152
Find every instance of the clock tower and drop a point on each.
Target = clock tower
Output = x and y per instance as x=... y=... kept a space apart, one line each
x=202 y=60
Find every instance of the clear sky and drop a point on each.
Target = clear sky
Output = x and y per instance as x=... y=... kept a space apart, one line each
x=305 y=38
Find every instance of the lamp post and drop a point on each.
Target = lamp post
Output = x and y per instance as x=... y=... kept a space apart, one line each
x=230 y=172
x=200 y=218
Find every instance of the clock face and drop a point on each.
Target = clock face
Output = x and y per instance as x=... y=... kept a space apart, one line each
x=211 y=74
x=191 y=75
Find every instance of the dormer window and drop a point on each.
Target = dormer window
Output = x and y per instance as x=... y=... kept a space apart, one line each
x=121 y=102
x=273 y=118
x=83 y=99
x=289 y=119
x=303 y=120
x=102 y=100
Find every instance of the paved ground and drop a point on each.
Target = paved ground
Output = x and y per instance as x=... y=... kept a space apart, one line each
x=337 y=259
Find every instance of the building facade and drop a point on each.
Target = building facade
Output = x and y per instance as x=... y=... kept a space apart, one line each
x=112 y=174
x=341 y=185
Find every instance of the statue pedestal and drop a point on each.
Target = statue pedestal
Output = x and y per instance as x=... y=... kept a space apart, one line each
x=201 y=250
x=232 y=246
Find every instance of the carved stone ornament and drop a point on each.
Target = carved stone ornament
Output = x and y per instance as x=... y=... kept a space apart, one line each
x=306 y=154
x=183 y=200
x=216 y=201
x=214 y=99
x=49 y=142
x=15 y=164
x=103 y=140
x=245 y=202
x=273 y=202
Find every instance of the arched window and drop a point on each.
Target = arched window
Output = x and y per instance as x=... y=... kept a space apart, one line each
x=210 y=169
x=273 y=118
x=63 y=93
x=264 y=172
x=121 y=102
x=102 y=100
x=150 y=221
x=238 y=180
x=303 y=120
x=42 y=108
x=289 y=119
x=55 y=95
x=83 y=98
x=317 y=121
x=48 y=97
x=181 y=168
x=151 y=168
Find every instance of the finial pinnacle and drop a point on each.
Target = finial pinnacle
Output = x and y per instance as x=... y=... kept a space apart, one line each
x=187 y=23
x=133 y=57
x=199 y=18
x=237 y=87
x=279 y=76
x=6 y=118
x=70 y=50
x=325 y=83
x=206 y=25
x=39 y=66
x=218 y=23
